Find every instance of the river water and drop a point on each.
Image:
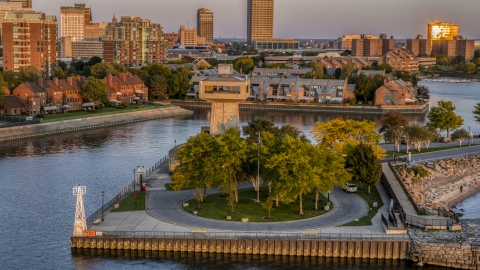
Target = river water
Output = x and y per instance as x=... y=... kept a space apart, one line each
x=37 y=206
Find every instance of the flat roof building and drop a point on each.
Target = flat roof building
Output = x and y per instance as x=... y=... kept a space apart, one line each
x=187 y=36
x=30 y=40
x=25 y=3
x=419 y=46
x=73 y=21
x=7 y=7
x=441 y=31
x=260 y=14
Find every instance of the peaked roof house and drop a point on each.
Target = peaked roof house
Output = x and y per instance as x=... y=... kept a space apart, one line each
x=125 y=88
x=394 y=93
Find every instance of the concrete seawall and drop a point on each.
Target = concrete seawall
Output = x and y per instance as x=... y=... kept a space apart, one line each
x=313 y=108
x=447 y=255
x=367 y=249
x=79 y=124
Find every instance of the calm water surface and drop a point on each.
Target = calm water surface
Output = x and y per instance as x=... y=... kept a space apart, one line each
x=37 y=205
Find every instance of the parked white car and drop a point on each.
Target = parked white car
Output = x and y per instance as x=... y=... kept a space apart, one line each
x=349 y=187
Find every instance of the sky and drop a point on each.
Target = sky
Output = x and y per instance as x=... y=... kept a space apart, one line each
x=315 y=19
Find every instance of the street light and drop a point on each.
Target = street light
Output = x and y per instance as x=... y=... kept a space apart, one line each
x=470 y=135
x=103 y=194
x=328 y=196
x=134 y=182
x=258 y=168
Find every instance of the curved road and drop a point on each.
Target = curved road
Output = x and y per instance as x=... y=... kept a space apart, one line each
x=166 y=206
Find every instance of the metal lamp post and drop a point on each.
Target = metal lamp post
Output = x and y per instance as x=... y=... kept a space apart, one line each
x=103 y=194
x=469 y=135
x=328 y=196
x=134 y=181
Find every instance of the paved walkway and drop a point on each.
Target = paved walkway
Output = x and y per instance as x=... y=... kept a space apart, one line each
x=166 y=206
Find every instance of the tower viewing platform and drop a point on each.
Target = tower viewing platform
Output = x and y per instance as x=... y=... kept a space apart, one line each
x=225 y=91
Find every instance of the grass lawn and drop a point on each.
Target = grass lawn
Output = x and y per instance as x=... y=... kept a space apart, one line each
x=104 y=111
x=131 y=204
x=370 y=199
x=215 y=207
x=169 y=187
x=414 y=151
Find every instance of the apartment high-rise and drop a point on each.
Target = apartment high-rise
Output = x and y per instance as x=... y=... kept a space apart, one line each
x=259 y=20
x=73 y=21
x=30 y=40
x=205 y=24
x=25 y=3
x=441 y=31
x=6 y=7
x=368 y=45
x=419 y=46
x=134 y=41
x=458 y=47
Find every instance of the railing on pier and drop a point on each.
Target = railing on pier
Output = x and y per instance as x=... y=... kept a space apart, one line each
x=119 y=195
x=255 y=235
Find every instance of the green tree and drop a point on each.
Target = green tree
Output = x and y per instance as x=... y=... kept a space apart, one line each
x=328 y=170
x=476 y=112
x=94 y=89
x=393 y=124
x=470 y=68
x=11 y=79
x=244 y=65
x=119 y=67
x=291 y=169
x=197 y=167
x=158 y=87
x=29 y=74
x=62 y=64
x=318 y=72
x=367 y=85
x=443 y=60
x=443 y=117
x=338 y=73
x=460 y=135
x=364 y=165
x=417 y=135
x=342 y=135
x=179 y=82
x=101 y=70
x=93 y=61
x=388 y=69
x=349 y=69
x=58 y=73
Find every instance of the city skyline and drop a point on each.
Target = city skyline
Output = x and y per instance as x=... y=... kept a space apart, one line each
x=313 y=19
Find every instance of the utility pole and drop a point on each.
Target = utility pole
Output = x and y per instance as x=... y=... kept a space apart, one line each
x=258 y=168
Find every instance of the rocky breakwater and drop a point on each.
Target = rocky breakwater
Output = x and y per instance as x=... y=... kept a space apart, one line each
x=459 y=249
x=93 y=122
x=438 y=186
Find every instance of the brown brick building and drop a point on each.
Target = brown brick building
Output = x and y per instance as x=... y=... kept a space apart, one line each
x=394 y=93
x=134 y=41
x=368 y=45
x=400 y=59
x=459 y=46
x=29 y=40
x=32 y=96
x=419 y=46
x=125 y=87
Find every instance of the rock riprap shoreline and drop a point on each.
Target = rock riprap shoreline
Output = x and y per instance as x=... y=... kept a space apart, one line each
x=438 y=186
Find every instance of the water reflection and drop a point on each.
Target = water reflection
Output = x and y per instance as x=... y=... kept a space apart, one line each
x=91 y=259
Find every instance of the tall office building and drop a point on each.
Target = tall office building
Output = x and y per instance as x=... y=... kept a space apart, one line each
x=25 y=3
x=133 y=41
x=6 y=7
x=441 y=31
x=30 y=40
x=259 y=20
x=368 y=45
x=73 y=21
x=205 y=24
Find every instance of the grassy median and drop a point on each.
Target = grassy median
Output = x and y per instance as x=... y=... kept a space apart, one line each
x=131 y=204
x=104 y=111
x=414 y=151
x=370 y=199
x=215 y=207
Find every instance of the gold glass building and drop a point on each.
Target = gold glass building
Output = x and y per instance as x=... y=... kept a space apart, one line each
x=259 y=20
x=442 y=31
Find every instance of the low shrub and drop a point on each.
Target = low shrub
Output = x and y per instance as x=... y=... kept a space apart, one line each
x=352 y=101
x=40 y=115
